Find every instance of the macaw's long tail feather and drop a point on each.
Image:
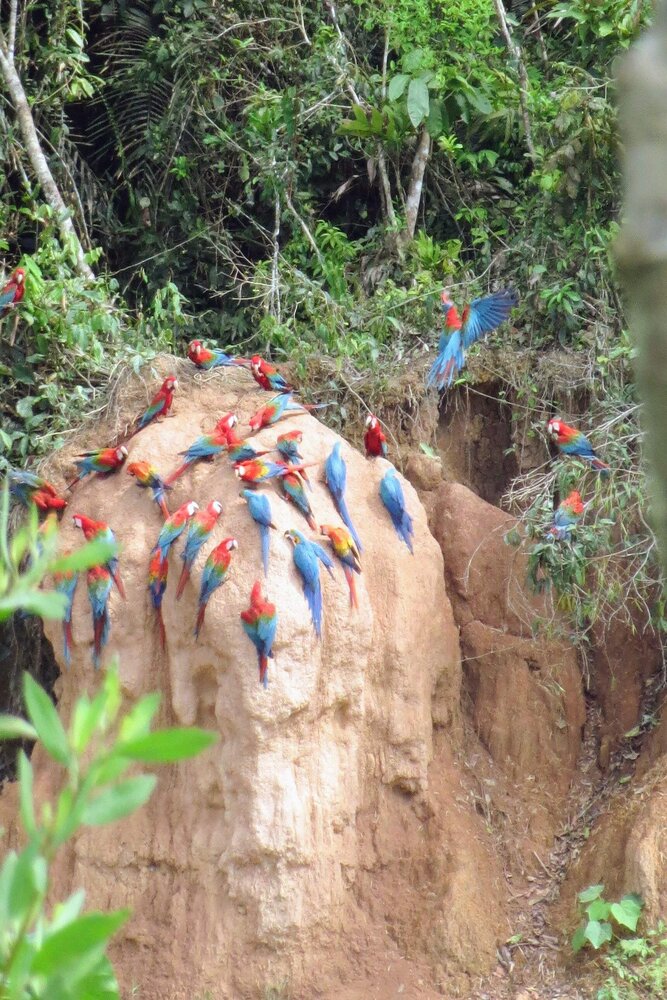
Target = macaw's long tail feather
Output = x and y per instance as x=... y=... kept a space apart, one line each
x=182 y=581
x=311 y=522
x=100 y=636
x=349 y=576
x=264 y=670
x=449 y=362
x=67 y=642
x=600 y=466
x=266 y=544
x=115 y=575
x=173 y=476
x=405 y=531
x=341 y=507
x=314 y=597
x=162 y=635
x=200 y=619
x=73 y=483
x=162 y=504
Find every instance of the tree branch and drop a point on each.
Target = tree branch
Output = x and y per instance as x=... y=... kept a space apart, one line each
x=515 y=52
x=11 y=42
x=413 y=199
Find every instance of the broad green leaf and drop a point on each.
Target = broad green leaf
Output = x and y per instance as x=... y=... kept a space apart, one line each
x=597 y=933
x=118 y=801
x=627 y=913
x=578 y=939
x=397 y=86
x=418 y=102
x=13 y=728
x=139 y=718
x=67 y=911
x=412 y=60
x=168 y=745
x=25 y=793
x=92 y=554
x=100 y=984
x=68 y=945
x=45 y=603
x=437 y=120
x=23 y=889
x=46 y=721
x=598 y=909
x=591 y=893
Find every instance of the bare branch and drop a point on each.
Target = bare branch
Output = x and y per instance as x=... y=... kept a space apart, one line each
x=413 y=199
x=515 y=51
x=11 y=38
x=306 y=231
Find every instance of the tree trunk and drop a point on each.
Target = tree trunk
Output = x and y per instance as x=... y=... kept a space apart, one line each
x=413 y=199
x=38 y=161
x=515 y=51
x=642 y=246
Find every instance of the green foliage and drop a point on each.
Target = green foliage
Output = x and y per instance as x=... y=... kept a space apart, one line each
x=29 y=555
x=601 y=920
x=61 y=954
x=636 y=967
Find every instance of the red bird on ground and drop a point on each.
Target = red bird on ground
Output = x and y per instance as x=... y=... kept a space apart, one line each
x=104 y=461
x=13 y=292
x=267 y=375
x=159 y=405
x=374 y=440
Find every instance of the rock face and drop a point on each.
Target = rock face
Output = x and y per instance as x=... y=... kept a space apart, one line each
x=255 y=862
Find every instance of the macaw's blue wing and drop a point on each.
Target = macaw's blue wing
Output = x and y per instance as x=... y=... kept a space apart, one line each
x=449 y=362
x=266 y=632
x=485 y=314
x=324 y=557
x=6 y=298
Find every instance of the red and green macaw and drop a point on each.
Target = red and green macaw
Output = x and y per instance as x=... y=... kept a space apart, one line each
x=174 y=526
x=12 y=292
x=375 y=441
x=347 y=552
x=260 y=512
x=205 y=359
x=280 y=406
x=391 y=494
x=267 y=376
x=159 y=406
x=66 y=584
x=335 y=476
x=199 y=532
x=567 y=516
x=28 y=488
x=101 y=531
x=158 y=571
x=239 y=450
x=214 y=575
x=103 y=461
x=570 y=441
x=259 y=470
x=462 y=331
x=148 y=477
x=294 y=492
x=307 y=557
x=207 y=446
x=287 y=445
x=99 y=588
x=260 y=623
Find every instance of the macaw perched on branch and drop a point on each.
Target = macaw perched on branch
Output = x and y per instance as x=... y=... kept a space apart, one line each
x=345 y=549
x=462 y=331
x=207 y=446
x=391 y=494
x=174 y=526
x=294 y=492
x=100 y=531
x=287 y=446
x=12 y=292
x=148 y=477
x=158 y=571
x=216 y=570
x=99 y=588
x=205 y=359
x=199 y=532
x=280 y=406
x=260 y=623
x=567 y=516
x=307 y=557
x=159 y=406
x=66 y=583
x=570 y=441
x=267 y=376
x=375 y=441
x=27 y=488
x=335 y=476
x=260 y=512
x=103 y=461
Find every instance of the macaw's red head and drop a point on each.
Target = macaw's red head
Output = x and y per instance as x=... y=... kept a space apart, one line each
x=372 y=422
x=226 y=422
x=138 y=469
x=445 y=300
x=296 y=436
x=574 y=502
x=19 y=276
x=195 y=347
x=170 y=383
x=215 y=507
x=229 y=544
x=327 y=530
x=257 y=420
x=255 y=362
x=554 y=428
x=83 y=522
x=191 y=508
